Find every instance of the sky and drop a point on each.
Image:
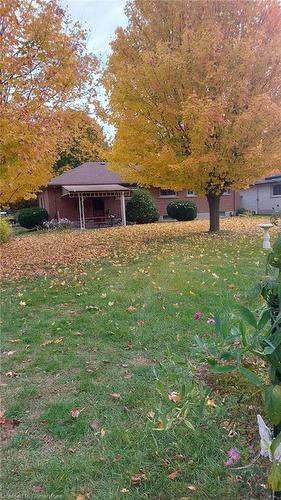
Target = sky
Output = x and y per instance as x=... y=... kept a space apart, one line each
x=101 y=18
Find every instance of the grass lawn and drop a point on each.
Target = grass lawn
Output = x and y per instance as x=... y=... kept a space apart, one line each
x=113 y=336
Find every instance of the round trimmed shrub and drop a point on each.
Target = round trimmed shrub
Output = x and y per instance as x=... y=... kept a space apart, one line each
x=141 y=208
x=32 y=217
x=182 y=210
x=5 y=230
x=241 y=211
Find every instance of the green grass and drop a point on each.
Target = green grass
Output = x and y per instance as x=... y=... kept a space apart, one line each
x=96 y=348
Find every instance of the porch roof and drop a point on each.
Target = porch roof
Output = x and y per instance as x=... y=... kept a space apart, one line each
x=94 y=188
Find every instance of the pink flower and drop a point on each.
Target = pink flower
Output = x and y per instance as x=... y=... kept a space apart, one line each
x=197 y=316
x=210 y=321
x=233 y=457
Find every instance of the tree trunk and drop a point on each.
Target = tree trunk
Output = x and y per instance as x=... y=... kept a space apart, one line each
x=214 y=208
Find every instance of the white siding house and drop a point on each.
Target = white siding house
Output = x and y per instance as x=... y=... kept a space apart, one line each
x=264 y=196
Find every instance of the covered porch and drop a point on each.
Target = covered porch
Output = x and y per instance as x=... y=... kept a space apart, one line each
x=98 y=205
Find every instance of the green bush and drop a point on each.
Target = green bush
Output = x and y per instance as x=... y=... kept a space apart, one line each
x=5 y=230
x=241 y=211
x=32 y=217
x=182 y=210
x=141 y=208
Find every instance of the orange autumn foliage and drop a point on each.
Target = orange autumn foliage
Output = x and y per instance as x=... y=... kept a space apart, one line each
x=44 y=68
x=84 y=141
x=194 y=94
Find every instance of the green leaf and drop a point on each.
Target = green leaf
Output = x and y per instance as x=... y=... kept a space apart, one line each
x=274 y=477
x=243 y=333
x=265 y=317
x=223 y=369
x=269 y=349
x=161 y=388
x=272 y=399
x=248 y=316
x=189 y=425
x=251 y=376
x=275 y=443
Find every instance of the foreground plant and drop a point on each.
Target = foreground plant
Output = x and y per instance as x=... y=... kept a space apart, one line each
x=238 y=336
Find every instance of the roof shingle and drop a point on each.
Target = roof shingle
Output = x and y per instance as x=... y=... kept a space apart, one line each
x=87 y=173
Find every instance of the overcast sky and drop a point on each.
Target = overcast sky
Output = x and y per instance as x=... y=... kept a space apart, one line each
x=101 y=17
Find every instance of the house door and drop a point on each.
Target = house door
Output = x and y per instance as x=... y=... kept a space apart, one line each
x=98 y=207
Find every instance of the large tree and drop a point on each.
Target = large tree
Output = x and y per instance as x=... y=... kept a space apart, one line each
x=84 y=140
x=194 y=94
x=44 y=68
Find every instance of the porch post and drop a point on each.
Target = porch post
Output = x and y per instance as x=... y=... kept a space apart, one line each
x=83 y=211
x=123 y=209
x=80 y=211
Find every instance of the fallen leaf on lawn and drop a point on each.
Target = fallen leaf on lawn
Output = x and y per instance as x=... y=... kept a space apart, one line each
x=95 y=425
x=124 y=490
x=150 y=414
x=141 y=322
x=165 y=463
x=37 y=489
x=129 y=346
x=136 y=478
x=12 y=374
x=8 y=353
x=22 y=303
x=76 y=412
x=179 y=456
x=102 y=433
x=174 y=396
x=191 y=487
x=117 y=458
x=211 y=402
x=174 y=475
x=78 y=334
x=115 y=395
x=47 y=342
x=9 y=422
x=131 y=309
x=160 y=426
x=58 y=341
x=111 y=304
x=14 y=341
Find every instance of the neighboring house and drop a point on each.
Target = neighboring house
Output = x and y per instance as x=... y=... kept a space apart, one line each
x=264 y=196
x=90 y=193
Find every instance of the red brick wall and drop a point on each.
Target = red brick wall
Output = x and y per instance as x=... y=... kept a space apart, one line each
x=229 y=203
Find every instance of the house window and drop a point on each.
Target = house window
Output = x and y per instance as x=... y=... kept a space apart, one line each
x=276 y=189
x=226 y=193
x=169 y=193
x=190 y=193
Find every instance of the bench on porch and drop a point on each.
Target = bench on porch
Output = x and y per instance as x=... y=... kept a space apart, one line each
x=102 y=221
x=98 y=221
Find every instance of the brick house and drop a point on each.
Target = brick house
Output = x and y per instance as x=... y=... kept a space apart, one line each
x=89 y=194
